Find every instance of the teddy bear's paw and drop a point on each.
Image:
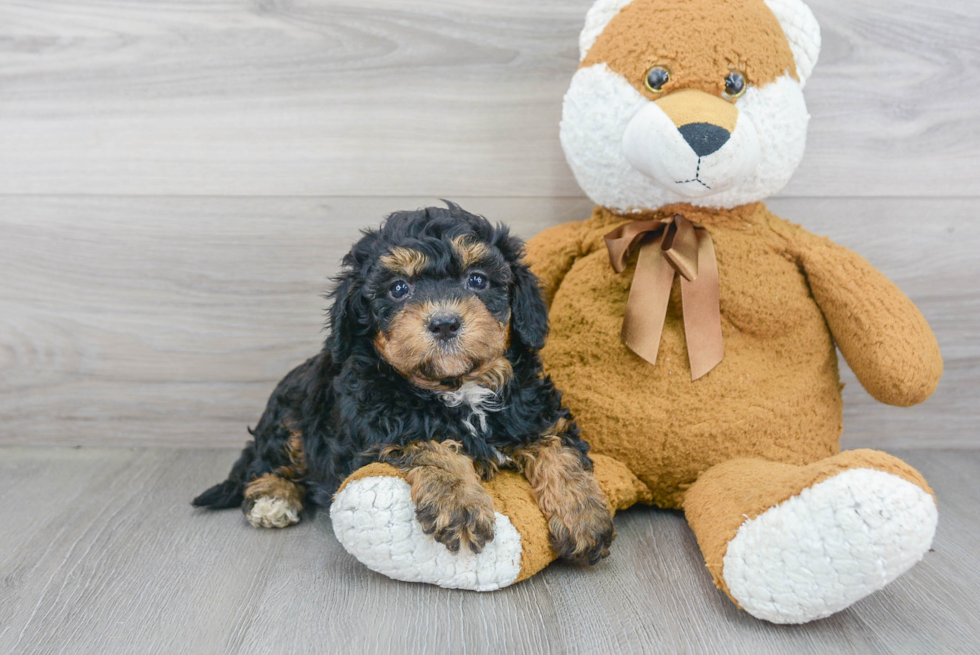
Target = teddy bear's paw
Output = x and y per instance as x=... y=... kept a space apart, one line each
x=829 y=546
x=375 y=520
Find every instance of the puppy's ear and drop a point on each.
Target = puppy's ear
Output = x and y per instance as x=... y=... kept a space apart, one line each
x=350 y=313
x=347 y=316
x=529 y=314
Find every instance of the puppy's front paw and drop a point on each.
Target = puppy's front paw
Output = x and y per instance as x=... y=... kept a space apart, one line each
x=456 y=517
x=582 y=532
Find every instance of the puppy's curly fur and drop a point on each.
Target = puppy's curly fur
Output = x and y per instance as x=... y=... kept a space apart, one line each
x=431 y=365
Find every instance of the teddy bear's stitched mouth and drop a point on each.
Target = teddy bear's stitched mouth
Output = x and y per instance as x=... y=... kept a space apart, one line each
x=697 y=177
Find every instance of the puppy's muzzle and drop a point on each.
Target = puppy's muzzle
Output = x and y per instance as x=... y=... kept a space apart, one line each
x=445 y=326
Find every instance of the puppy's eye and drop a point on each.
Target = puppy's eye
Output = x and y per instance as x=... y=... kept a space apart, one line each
x=477 y=282
x=399 y=290
x=734 y=85
x=656 y=78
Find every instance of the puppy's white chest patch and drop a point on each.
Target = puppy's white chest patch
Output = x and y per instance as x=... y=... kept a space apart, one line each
x=480 y=401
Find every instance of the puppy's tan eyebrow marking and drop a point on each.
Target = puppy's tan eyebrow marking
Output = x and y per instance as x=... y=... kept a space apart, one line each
x=470 y=251
x=406 y=261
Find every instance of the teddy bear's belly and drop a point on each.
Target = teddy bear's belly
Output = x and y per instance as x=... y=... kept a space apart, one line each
x=776 y=395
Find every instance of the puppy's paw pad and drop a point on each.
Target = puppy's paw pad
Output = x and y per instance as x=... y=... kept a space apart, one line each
x=272 y=512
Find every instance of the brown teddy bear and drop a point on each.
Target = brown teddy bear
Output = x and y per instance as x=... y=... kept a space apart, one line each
x=693 y=332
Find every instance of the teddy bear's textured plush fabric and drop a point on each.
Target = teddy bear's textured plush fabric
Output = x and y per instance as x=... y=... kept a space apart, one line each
x=376 y=523
x=791 y=528
x=776 y=394
x=744 y=36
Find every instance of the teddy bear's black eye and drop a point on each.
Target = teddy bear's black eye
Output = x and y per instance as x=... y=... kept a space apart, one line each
x=734 y=85
x=477 y=282
x=399 y=290
x=656 y=78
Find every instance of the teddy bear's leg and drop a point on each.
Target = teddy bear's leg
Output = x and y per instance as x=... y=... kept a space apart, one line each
x=374 y=518
x=790 y=544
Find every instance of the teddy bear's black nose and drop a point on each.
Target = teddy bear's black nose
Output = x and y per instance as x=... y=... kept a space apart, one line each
x=445 y=326
x=705 y=138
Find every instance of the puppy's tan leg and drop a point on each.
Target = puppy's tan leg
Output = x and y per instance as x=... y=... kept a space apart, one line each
x=275 y=500
x=450 y=503
x=579 y=521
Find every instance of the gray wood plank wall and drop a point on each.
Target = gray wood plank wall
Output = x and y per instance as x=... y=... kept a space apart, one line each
x=178 y=180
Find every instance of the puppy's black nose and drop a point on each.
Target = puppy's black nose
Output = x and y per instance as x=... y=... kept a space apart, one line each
x=445 y=326
x=704 y=138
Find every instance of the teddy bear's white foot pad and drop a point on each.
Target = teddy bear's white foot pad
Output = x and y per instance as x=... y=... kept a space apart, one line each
x=826 y=548
x=374 y=519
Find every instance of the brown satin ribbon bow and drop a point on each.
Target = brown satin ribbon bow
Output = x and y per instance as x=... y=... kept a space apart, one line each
x=669 y=245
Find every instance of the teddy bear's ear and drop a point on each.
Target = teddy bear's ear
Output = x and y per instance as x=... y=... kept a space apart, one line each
x=596 y=20
x=802 y=31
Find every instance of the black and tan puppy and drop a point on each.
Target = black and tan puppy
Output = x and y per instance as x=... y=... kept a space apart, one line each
x=432 y=366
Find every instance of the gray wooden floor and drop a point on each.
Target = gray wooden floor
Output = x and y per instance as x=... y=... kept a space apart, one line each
x=100 y=552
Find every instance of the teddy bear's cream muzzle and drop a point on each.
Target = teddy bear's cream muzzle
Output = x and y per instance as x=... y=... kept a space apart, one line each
x=692 y=143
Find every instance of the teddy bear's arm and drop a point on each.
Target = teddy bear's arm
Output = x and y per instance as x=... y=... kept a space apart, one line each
x=551 y=254
x=882 y=335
